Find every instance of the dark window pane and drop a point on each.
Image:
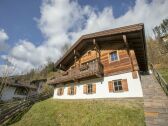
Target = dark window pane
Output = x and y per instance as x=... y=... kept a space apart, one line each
x=116 y=88
x=120 y=87
x=115 y=83
x=119 y=82
x=21 y=91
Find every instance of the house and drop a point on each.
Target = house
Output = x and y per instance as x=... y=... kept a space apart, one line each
x=39 y=84
x=104 y=64
x=16 y=90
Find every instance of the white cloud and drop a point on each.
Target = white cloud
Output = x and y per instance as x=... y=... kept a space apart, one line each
x=64 y=21
x=3 y=38
x=25 y=55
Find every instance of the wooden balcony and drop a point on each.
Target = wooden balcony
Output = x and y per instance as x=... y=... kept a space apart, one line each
x=90 y=69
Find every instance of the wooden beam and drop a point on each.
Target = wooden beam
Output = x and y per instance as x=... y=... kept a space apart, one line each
x=96 y=45
x=128 y=51
x=75 y=56
x=125 y=41
x=76 y=53
x=97 y=48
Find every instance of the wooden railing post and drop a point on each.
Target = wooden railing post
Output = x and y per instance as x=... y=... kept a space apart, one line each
x=160 y=79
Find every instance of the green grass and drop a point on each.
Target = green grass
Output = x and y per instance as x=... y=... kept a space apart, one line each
x=84 y=113
x=164 y=73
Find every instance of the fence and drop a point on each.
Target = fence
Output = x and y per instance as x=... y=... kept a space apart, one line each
x=160 y=79
x=11 y=109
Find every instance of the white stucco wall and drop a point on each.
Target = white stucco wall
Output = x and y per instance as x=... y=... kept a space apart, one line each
x=102 y=90
x=8 y=93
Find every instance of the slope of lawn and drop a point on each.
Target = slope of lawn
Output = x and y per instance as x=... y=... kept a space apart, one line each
x=84 y=113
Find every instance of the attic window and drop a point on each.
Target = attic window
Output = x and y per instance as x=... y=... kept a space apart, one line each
x=89 y=53
x=113 y=56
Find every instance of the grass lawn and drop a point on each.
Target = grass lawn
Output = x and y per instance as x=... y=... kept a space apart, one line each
x=164 y=73
x=84 y=113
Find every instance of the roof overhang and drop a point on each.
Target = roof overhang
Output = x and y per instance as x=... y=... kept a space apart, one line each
x=135 y=37
x=21 y=85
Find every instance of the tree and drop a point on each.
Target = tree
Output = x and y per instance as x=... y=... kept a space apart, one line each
x=160 y=32
x=154 y=52
x=162 y=29
x=8 y=71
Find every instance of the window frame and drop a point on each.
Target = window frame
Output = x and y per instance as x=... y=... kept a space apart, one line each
x=60 y=91
x=110 y=60
x=118 y=86
x=72 y=90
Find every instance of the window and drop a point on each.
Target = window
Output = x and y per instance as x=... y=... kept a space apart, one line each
x=60 y=91
x=21 y=91
x=118 y=85
x=89 y=88
x=113 y=56
x=71 y=90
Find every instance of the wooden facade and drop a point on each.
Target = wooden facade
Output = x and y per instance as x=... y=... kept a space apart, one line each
x=90 y=56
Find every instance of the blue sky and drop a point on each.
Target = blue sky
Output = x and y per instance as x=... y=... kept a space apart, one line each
x=18 y=18
x=41 y=27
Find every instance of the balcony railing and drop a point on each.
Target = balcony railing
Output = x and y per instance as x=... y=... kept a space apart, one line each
x=93 y=68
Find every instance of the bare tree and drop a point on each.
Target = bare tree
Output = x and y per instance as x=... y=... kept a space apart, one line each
x=161 y=32
x=8 y=71
x=162 y=29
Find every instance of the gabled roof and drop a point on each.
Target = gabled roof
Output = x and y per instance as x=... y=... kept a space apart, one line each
x=135 y=36
x=21 y=85
x=38 y=80
x=16 y=83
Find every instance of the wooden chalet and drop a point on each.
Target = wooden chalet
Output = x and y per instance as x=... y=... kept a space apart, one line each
x=104 y=64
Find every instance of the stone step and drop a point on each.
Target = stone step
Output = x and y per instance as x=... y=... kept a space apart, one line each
x=155 y=105
x=156 y=109
x=155 y=102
